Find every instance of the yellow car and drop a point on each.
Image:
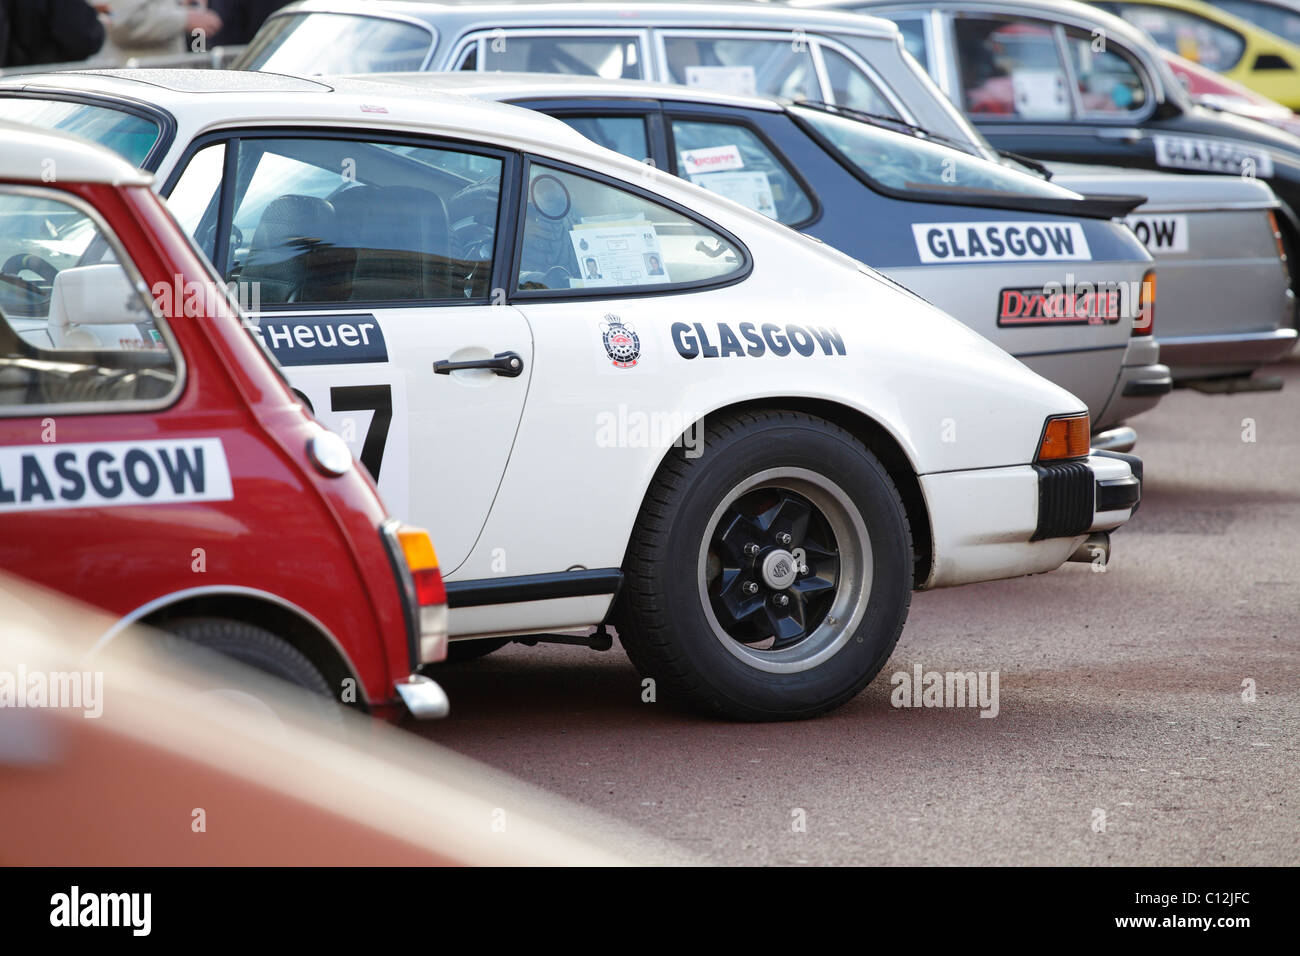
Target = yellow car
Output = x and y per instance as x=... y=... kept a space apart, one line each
x=1216 y=39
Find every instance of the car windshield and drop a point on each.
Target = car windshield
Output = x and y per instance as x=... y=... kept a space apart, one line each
x=128 y=135
x=313 y=43
x=902 y=163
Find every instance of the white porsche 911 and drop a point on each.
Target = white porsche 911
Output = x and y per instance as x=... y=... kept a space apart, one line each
x=613 y=395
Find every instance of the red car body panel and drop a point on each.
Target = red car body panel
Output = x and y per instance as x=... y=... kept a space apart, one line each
x=309 y=540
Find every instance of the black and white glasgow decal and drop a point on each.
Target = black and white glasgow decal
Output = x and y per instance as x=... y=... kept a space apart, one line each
x=949 y=242
x=1212 y=155
x=1160 y=233
x=103 y=474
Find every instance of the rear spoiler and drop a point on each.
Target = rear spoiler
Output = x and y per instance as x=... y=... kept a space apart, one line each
x=1091 y=206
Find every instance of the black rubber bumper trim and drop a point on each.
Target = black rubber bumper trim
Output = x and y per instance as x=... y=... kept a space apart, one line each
x=1161 y=386
x=534 y=587
x=1066 y=496
x=1117 y=494
x=1135 y=465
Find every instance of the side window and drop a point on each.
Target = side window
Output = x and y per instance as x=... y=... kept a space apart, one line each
x=193 y=200
x=1284 y=21
x=72 y=333
x=623 y=134
x=1108 y=80
x=770 y=67
x=584 y=234
x=1188 y=35
x=335 y=220
x=913 y=30
x=853 y=88
x=733 y=161
x=1011 y=67
x=611 y=57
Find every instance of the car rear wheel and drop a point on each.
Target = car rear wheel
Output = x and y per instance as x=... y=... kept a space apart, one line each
x=769 y=578
x=249 y=645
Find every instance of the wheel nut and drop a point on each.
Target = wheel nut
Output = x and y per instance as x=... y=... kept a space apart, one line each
x=750 y=587
x=784 y=538
x=751 y=550
x=803 y=569
x=781 y=599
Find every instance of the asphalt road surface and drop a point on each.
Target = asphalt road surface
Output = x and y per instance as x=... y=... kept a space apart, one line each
x=1123 y=733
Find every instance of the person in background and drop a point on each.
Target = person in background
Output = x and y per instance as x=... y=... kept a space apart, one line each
x=47 y=31
x=139 y=28
x=240 y=19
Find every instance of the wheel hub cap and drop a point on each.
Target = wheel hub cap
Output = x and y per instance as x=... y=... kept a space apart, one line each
x=779 y=570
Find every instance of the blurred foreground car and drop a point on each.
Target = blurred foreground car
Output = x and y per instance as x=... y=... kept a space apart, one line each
x=155 y=464
x=124 y=759
x=596 y=379
x=985 y=243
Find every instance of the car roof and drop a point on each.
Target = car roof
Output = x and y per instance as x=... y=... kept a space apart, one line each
x=456 y=16
x=41 y=156
x=262 y=98
x=514 y=86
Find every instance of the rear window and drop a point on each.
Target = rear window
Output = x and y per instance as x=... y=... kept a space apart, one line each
x=901 y=163
x=312 y=43
x=128 y=135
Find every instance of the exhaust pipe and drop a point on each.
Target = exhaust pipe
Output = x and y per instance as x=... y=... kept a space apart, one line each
x=1093 y=548
x=1115 y=439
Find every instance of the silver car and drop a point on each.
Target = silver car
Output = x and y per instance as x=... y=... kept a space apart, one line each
x=1226 y=303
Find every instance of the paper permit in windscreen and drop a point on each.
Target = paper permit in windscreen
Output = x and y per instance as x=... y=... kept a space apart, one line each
x=737 y=80
x=617 y=252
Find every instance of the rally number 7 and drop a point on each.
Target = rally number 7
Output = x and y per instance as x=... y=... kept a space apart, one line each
x=359 y=398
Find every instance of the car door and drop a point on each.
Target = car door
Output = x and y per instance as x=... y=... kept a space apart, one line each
x=1047 y=90
x=366 y=266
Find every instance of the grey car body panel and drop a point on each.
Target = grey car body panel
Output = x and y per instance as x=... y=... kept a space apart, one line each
x=1229 y=287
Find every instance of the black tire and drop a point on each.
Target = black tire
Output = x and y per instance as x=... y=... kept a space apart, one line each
x=671 y=613
x=258 y=648
x=460 y=651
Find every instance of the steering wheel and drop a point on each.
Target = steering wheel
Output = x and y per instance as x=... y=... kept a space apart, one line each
x=23 y=262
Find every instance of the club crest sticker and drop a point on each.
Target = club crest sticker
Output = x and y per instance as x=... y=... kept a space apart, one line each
x=622 y=344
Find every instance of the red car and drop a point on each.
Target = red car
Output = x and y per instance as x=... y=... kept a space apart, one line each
x=154 y=463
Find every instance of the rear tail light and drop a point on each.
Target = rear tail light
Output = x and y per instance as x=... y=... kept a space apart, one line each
x=1277 y=235
x=416 y=565
x=1066 y=436
x=422 y=561
x=1144 y=322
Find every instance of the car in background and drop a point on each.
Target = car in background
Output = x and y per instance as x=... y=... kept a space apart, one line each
x=1219 y=40
x=977 y=239
x=768 y=445
x=155 y=464
x=1215 y=91
x=730 y=47
x=1279 y=17
x=1229 y=252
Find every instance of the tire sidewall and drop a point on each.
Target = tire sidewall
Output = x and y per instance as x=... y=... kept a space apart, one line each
x=726 y=464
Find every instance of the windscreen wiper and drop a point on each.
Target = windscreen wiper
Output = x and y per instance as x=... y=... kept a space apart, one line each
x=1028 y=163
